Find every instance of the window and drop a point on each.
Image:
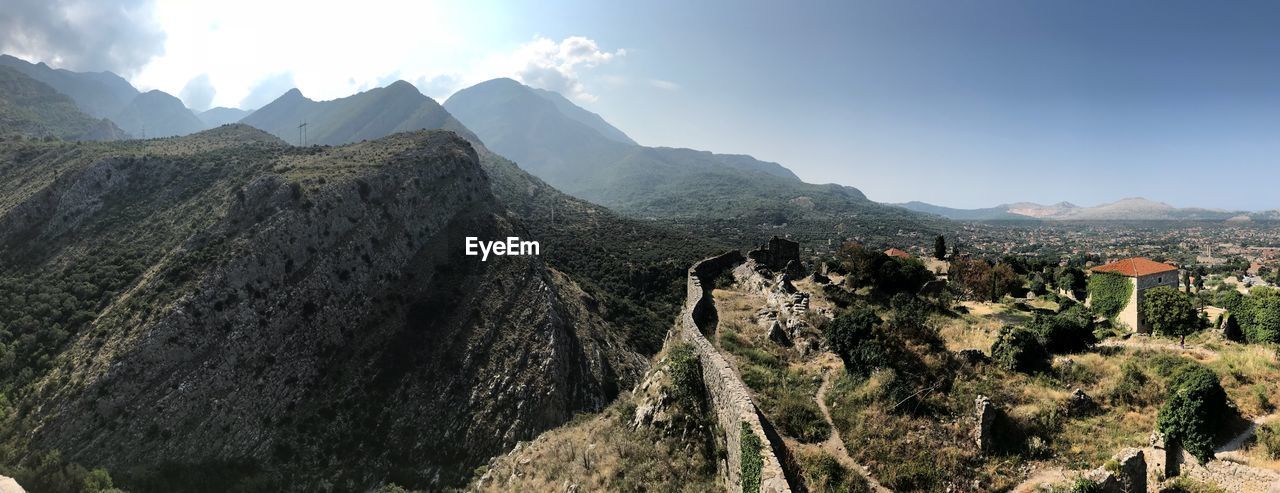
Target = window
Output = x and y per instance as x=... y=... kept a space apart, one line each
x=1159 y=280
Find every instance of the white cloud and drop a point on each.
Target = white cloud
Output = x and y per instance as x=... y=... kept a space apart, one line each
x=554 y=66
x=333 y=50
x=665 y=85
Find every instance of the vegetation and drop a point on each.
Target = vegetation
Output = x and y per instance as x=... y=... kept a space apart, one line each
x=1019 y=349
x=824 y=474
x=1169 y=312
x=886 y=276
x=686 y=376
x=1109 y=293
x=1194 y=410
x=1067 y=331
x=1269 y=439
x=978 y=279
x=856 y=336
x=752 y=461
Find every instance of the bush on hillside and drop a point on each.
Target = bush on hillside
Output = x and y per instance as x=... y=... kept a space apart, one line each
x=1019 y=349
x=1068 y=331
x=1269 y=439
x=856 y=337
x=686 y=376
x=1193 y=410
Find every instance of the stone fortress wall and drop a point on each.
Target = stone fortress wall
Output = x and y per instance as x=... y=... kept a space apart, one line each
x=730 y=398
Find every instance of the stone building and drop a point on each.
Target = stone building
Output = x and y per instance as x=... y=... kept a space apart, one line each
x=776 y=254
x=1143 y=274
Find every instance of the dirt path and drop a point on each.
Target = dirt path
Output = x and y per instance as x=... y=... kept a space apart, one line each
x=1233 y=450
x=834 y=445
x=1052 y=475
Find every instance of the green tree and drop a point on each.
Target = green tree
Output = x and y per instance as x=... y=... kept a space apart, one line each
x=1260 y=317
x=1169 y=312
x=1193 y=411
x=1186 y=281
x=940 y=248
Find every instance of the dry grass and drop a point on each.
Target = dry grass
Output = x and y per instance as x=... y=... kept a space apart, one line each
x=603 y=453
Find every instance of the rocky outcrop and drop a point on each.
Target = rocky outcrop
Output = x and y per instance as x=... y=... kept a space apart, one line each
x=319 y=321
x=730 y=398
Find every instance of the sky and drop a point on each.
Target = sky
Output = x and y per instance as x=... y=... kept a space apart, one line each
x=958 y=103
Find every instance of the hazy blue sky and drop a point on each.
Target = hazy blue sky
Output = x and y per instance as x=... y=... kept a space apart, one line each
x=959 y=103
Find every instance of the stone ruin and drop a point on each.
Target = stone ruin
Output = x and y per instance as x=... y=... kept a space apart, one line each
x=985 y=413
x=777 y=254
x=1127 y=474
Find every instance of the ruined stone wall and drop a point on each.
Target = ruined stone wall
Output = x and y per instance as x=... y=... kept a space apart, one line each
x=730 y=398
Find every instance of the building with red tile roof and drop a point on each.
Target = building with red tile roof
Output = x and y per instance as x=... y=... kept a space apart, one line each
x=1135 y=267
x=1143 y=274
x=894 y=252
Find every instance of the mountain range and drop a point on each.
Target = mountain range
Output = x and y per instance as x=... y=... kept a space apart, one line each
x=237 y=312
x=371 y=114
x=107 y=95
x=1129 y=209
x=30 y=108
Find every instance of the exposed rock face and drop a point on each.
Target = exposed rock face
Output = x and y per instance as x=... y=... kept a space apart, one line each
x=324 y=318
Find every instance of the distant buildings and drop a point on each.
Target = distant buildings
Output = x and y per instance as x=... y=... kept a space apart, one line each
x=1143 y=274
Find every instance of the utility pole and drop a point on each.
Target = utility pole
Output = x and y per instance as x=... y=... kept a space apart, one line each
x=302 y=134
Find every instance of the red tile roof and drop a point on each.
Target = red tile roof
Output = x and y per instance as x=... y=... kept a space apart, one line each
x=894 y=252
x=1135 y=267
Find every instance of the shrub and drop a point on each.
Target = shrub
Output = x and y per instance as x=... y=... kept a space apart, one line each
x=1109 y=293
x=856 y=337
x=1269 y=439
x=1019 y=349
x=1068 y=331
x=752 y=461
x=1133 y=387
x=797 y=415
x=686 y=376
x=1193 y=410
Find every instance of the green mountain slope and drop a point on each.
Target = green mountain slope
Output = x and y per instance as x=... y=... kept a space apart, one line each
x=157 y=114
x=368 y=115
x=30 y=108
x=227 y=310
